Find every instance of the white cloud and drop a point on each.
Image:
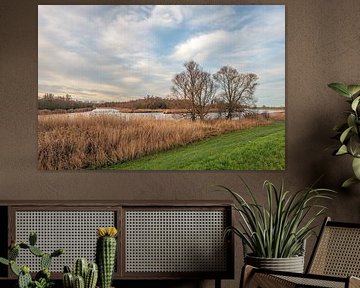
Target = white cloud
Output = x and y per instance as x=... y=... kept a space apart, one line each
x=166 y=16
x=131 y=80
x=201 y=47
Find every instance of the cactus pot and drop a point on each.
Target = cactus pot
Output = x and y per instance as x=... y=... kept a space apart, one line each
x=291 y=264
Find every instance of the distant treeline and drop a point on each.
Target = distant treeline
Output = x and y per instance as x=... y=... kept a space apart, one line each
x=51 y=102
x=149 y=102
x=68 y=104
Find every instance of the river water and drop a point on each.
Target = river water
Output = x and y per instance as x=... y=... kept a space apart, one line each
x=163 y=116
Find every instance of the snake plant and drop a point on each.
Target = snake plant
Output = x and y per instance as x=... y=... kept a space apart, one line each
x=279 y=228
x=349 y=132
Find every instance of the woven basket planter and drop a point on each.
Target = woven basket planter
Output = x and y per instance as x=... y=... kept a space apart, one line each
x=291 y=264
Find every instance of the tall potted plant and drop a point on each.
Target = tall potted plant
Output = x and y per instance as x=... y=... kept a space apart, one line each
x=274 y=235
x=349 y=132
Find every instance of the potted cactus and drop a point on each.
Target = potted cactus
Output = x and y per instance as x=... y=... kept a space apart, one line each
x=42 y=278
x=105 y=254
x=85 y=275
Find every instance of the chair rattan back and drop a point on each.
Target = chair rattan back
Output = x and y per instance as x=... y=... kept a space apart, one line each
x=337 y=252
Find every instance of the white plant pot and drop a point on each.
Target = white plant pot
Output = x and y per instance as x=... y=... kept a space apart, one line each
x=291 y=264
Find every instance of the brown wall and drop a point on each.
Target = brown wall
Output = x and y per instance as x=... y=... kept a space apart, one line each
x=322 y=46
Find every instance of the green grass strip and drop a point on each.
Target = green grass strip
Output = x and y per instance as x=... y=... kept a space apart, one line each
x=259 y=148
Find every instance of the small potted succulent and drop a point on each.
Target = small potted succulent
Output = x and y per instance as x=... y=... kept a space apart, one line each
x=274 y=234
x=349 y=131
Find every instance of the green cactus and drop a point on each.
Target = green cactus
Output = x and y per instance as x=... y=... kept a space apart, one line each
x=67 y=269
x=81 y=266
x=68 y=280
x=23 y=245
x=14 y=268
x=4 y=261
x=79 y=282
x=45 y=261
x=57 y=253
x=91 y=276
x=87 y=272
x=25 y=269
x=36 y=251
x=105 y=255
x=13 y=252
x=24 y=278
x=32 y=239
x=42 y=278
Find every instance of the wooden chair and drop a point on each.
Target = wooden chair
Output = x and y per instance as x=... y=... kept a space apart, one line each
x=335 y=262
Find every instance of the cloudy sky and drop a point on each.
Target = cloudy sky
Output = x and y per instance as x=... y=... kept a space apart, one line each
x=117 y=53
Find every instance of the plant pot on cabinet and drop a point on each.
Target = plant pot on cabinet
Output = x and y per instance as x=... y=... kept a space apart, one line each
x=290 y=264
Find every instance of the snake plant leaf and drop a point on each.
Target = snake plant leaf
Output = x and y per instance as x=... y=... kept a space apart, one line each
x=355 y=103
x=353 y=89
x=342 y=150
x=340 y=88
x=349 y=182
x=278 y=228
x=356 y=167
x=345 y=134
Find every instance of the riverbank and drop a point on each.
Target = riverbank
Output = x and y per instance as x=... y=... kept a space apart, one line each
x=80 y=142
x=256 y=148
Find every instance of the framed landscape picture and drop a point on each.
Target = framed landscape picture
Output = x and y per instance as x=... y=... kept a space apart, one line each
x=161 y=87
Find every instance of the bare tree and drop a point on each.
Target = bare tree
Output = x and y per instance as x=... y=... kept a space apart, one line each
x=237 y=89
x=195 y=86
x=206 y=95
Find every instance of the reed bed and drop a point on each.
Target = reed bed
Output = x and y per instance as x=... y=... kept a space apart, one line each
x=80 y=142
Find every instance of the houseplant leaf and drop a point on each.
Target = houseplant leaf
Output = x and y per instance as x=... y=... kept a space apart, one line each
x=355 y=103
x=344 y=135
x=351 y=120
x=353 y=89
x=342 y=150
x=340 y=88
x=348 y=134
x=353 y=145
x=356 y=167
x=349 y=182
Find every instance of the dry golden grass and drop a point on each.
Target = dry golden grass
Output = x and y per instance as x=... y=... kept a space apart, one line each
x=86 y=142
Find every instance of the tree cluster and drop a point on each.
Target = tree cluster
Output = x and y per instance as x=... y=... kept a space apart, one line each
x=51 y=102
x=229 y=89
x=149 y=102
